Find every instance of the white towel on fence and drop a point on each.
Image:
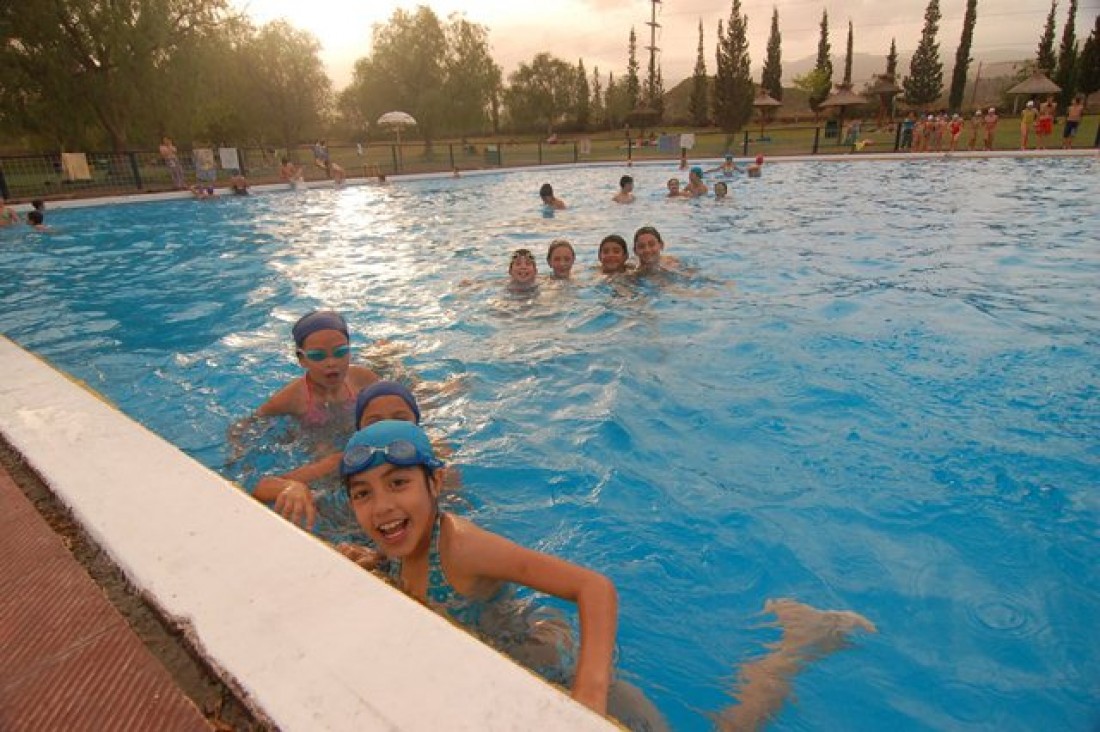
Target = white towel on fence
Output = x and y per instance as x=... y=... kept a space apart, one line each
x=205 y=169
x=75 y=166
x=229 y=159
x=687 y=140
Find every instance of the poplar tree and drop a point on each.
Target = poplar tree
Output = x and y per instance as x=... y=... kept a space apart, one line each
x=733 y=92
x=583 y=111
x=699 y=104
x=1066 y=75
x=848 y=58
x=1044 y=57
x=1088 y=62
x=771 y=79
x=823 y=69
x=925 y=81
x=892 y=61
x=962 y=57
x=633 y=87
x=597 y=98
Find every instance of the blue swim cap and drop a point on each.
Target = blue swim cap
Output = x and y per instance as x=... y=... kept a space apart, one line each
x=697 y=170
x=393 y=442
x=318 y=320
x=384 y=388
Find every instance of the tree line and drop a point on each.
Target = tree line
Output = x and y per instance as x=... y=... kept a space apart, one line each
x=85 y=73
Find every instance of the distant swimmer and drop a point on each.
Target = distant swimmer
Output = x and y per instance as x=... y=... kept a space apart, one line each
x=721 y=191
x=696 y=187
x=626 y=190
x=757 y=166
x=674 y=189
x=546 y=193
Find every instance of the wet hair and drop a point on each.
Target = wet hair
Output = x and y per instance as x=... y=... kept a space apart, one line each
x=521 y=254
x=647 y=230
x=558 y=244
x=35 y=218
x=616 y=239
x=723 y=186
x=38 y=204
x=673 y=180
x=625 y=179
x=546 y=191
x=317 y=320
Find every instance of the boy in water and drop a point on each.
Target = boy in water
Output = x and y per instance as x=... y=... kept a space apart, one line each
x=626 y=190
x=546 y=193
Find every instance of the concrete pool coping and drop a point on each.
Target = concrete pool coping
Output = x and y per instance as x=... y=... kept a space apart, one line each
x=306 y=639
x=1081 y=152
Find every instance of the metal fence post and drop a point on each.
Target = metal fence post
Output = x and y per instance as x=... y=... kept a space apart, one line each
x=393 y=153
x=629 y=150
x=135 y=170
x=451 y=150
x=575 y=158
x=745 y=144
x=897 y=137
x=1096 y=142
x=817 y=137
x=540 y=153
x=5 y=194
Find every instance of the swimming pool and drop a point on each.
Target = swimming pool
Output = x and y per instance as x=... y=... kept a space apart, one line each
x=892 y=409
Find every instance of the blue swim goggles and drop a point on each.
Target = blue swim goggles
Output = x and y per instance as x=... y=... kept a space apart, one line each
x=317 y=355
x=402 y=453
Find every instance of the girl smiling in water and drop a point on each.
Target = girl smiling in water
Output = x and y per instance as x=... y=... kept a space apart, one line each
x=613 y=254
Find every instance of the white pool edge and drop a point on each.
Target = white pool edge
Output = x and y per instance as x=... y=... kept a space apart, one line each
x=309 y=639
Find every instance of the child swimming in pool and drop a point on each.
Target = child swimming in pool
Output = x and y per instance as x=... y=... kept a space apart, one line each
x=302 y=497
x=649 y=247
x=613 y=254
x=466 y=574
x=560 y=256
x=523 y=273
x=326 y=392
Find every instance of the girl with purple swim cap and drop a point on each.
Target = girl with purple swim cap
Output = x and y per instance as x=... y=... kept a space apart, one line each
x=325 y=394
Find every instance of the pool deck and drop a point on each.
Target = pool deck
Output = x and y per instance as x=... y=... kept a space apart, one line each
x=68 y=659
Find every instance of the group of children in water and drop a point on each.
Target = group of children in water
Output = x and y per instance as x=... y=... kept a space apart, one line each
x=391 y=477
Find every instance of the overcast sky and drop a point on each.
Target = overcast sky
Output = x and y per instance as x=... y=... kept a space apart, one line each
x=597 y=30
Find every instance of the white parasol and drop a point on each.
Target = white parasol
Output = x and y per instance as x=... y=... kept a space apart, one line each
x=397 y=120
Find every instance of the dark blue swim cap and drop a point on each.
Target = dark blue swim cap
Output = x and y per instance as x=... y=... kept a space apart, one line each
x=384 y=388
x=318 y=320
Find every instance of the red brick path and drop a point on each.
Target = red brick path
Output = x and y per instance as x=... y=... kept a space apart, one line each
x=68 y=659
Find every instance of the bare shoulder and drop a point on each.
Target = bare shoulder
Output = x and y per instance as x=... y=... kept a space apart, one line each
x=291 y=399
x=361 y=376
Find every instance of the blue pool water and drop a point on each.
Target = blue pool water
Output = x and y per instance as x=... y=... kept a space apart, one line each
x=880 y=393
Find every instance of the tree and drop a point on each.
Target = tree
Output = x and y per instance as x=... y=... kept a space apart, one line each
x=597 y=98
x=103 y=62
x=699 y=104
x=406 y=71
x=848 y=58
x=1044 y=57
x=823 y=67
x=1066 y=75
x=925 y=81
x=1088 y=62
x=618 y=102
x=541 y=92
x=583 y=109
x=771 y=77
x=892 y=61
x=962 y=57
x=633 y=89
x=288 y=85
x=733 y=87
x=472 y=80
x=812 y=82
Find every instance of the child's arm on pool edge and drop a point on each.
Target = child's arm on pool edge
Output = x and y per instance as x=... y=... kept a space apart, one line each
x=482 y=554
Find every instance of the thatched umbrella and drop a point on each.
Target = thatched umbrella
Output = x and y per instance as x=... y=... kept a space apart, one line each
x=1034 y=85
x=766 y=104
x=885 y=89
x=843 y=97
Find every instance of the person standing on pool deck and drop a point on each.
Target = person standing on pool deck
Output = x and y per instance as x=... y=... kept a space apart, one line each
x=560 y=256
x=1027 y=123
x=468 y=575
x=1073 y=120
x=171 y=159
x=326 y=392
x=990 y=122
x=546 y=193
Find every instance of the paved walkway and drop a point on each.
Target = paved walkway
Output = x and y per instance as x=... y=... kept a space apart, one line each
x=68 y=659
